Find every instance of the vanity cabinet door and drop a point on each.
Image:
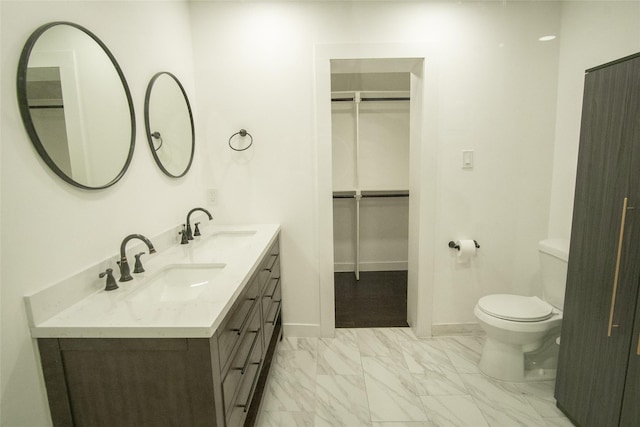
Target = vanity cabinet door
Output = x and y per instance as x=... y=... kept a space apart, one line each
x=129 y=382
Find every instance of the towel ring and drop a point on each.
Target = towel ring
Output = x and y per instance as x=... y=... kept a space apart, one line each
x=156 y=135
x=243 y=133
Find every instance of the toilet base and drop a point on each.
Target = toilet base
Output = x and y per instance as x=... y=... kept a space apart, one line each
x=509 y=362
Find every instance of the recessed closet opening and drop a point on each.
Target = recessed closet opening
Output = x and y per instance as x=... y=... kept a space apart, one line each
x=370 y=132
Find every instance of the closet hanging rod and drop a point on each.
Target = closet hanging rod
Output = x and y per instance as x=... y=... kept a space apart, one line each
x=39 y=107
x=344 y=194
x=395 y=98
x=372 y=194
x=399 y=193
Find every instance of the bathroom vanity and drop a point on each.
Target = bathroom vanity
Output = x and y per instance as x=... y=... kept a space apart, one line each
x=156 y=352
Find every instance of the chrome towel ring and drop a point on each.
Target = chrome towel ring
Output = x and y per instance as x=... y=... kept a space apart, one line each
x=242 y=133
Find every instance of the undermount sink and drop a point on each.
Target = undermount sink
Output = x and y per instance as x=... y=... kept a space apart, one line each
x=229 y=241
x=183 y=282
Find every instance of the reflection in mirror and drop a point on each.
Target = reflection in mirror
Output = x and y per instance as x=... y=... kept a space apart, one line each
x=169 y=124
x=44 y=92
x=76 y=105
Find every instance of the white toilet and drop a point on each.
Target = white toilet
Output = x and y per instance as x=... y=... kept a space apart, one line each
x=523 y=332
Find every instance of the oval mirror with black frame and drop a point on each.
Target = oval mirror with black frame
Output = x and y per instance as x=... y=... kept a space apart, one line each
x=169 y=124
x=76 y=105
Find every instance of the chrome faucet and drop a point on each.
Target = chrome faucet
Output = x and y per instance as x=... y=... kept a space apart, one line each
x=125 y=274
x=189 y=233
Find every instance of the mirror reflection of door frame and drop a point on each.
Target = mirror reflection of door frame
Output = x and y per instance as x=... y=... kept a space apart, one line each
x=65 y=61
x=422 y=185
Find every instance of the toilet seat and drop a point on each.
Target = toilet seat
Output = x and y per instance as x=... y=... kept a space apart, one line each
x=515 y=308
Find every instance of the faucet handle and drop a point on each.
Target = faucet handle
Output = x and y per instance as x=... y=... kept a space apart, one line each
x=196 y=231
x=184 y=240
x=138 y=268
x=111 y=281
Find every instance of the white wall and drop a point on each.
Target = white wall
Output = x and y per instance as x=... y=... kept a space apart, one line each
x=495 y=94
x=254 y=64
x=593 y=33
x=51 y=230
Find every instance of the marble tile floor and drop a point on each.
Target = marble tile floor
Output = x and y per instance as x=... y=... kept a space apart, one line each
x=386 y=377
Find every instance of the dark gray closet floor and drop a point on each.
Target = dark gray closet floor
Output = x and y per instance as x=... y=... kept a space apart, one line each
x=379 y=299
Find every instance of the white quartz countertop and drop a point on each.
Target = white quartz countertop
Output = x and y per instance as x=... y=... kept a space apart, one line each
x=127 y=313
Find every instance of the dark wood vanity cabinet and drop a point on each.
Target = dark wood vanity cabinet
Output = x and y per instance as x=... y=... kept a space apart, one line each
x=598 y=379
x=136 y=382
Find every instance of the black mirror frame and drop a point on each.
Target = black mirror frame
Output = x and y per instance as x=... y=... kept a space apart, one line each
x=23 y=103
x=147 y=98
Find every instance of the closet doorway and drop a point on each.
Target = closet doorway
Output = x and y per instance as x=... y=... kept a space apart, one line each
x=370 y=116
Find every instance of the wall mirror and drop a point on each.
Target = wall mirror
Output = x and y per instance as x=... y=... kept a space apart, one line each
x=76 y=105
x=169 y=124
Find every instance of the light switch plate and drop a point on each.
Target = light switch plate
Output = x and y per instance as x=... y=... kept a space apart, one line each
x=467 y=159
x=212 y=196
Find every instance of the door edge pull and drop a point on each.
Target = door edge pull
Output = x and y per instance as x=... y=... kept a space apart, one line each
x=617 y=271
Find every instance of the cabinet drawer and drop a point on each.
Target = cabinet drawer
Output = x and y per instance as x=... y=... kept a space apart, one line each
x=275 y=248
x=275 y=269
x=271 y=270
x=271 y=303
x=272 y=294
x=272 y=265
x=237 y=322
x=249 y=349
x=237 y=411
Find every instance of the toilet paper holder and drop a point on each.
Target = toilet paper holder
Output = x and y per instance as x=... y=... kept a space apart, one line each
x=453 y=245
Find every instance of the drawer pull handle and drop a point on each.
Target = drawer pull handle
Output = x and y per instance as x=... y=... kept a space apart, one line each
x=270 y=268
x=273 y=322
x=251 y=390
x=244 y=322
x=275 y=288
x=248 y=359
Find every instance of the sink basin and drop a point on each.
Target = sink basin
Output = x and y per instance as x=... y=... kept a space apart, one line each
x=228 y=241
x=179 y=283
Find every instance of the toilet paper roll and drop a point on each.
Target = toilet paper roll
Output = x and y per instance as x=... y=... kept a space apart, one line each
x=467 y=249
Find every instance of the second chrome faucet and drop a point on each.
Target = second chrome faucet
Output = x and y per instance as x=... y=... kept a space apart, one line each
x=187 y=234
x=125 y=271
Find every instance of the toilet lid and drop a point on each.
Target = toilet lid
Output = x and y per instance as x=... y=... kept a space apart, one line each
x=515 y=307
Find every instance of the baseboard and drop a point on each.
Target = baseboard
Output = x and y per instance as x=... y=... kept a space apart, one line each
x=301 y=330
x=347 y=267
x=445 y=329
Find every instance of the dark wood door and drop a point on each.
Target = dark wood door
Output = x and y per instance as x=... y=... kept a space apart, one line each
x=603 y=265
x=630 y=416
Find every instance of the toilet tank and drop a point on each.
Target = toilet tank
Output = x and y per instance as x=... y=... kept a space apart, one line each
x=554 y=254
